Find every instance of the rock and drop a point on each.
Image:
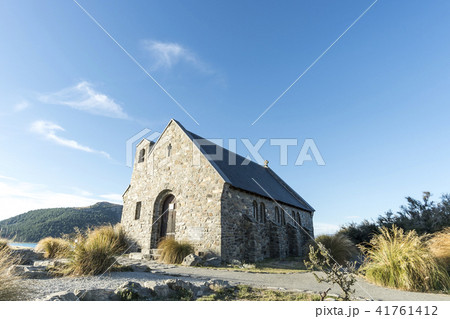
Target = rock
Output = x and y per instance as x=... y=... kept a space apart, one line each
x=217 y=284
x=50 y=263
x=197 y=290
x=96 y=295
x=28 y=272
x=191 y=260
x=161 y=291
x=249 y=266
x=134 y=291
x=61 y=296
x=236 y=262
x=212 y=262
x=26 y=256
x=139 y=268
x=329 y=299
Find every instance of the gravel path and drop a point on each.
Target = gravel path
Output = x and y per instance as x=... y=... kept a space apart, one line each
x=304 y=282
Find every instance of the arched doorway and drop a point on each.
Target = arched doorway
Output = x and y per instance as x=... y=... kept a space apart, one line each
x=167 y=222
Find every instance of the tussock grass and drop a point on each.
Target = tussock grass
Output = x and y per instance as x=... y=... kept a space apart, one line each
x=339 y=246
x=173 y=252
x=439 y=246
x=3 y=244
x=54 y=247
x=95 y=252
x=11 y=287
x=403 y=260
x=113 y=234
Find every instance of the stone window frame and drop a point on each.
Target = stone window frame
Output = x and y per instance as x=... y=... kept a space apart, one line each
x=262 y=213
x=141 y=155
x=255 y=210
x=137 y=212
x=169 y=149
x=283 y=217
x=277 y=216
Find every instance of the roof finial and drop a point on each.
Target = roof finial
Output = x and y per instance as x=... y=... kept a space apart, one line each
x=266 y=163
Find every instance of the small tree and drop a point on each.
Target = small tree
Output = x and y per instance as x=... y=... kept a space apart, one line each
x=345 y=278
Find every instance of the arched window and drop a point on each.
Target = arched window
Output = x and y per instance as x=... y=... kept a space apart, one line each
x=277 y=215
x=283 y=217
x=262 y=213
x=255 y=210
x=299 y=220
x=142 y=155
x=169 y=149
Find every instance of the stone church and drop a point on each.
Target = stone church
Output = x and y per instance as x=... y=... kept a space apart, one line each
x=188 y=188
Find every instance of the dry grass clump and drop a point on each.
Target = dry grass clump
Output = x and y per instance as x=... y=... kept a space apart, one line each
x=173 y=252
x=54 y=247
x=339 y=246
x=439 y=246
x=10 y=286
x=95 y=252
x=3 y=243
x=403 y=260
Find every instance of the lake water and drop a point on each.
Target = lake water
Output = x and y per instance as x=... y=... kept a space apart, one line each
x=29 y=245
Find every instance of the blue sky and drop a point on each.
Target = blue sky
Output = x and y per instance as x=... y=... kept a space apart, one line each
x=376 y=105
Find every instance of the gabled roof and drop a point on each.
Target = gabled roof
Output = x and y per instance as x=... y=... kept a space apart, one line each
x=253 y=177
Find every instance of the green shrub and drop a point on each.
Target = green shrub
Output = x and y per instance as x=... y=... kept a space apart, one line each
x=95 y=252
x=54 y=247
x=340 y=247
x=439 y=246
x=403 y=260
x=11 y=287
x=173 y=252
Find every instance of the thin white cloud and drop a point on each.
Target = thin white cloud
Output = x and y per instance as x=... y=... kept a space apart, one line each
x=83 y=97
x=323 y=228
x=168 y=54
x=18 y=197
x=115 y=198
x=49 y=130
x=21 y=106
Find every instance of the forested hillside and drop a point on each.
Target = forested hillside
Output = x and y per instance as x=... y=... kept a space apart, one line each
x=37 y=224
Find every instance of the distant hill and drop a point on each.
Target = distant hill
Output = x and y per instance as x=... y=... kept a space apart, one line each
x=37 y=224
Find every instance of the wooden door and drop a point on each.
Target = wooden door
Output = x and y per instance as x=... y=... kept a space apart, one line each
x=167 y=225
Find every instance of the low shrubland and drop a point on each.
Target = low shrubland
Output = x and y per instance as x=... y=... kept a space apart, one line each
x=173 y=252
x=403 y=260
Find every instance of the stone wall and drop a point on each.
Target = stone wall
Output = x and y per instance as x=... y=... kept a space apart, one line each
x=197 y=188
x=246 y=238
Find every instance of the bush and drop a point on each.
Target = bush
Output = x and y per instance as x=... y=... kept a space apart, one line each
x=11 y=287
x=402 y=260
x=424 y=216
x=94 y=252
x=334 y=273
x=439 y=246
x=173 y=252
x=54 y=247
x=340 y=247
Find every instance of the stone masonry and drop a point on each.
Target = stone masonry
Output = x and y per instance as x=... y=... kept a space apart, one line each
x=206 y=211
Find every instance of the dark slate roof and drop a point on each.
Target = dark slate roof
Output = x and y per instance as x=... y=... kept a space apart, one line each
x=247 y=177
